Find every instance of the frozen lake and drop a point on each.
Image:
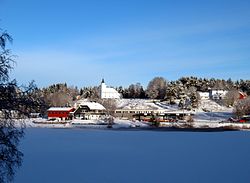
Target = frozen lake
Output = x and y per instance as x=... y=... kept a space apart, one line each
x=106 y=156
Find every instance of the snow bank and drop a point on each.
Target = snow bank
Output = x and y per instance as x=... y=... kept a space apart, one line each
x=43 y=123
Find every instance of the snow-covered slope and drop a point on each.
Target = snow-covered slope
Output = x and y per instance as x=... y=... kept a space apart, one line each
x=212 y=106
x=209 y=110
x=137 y=104
x=205 y=105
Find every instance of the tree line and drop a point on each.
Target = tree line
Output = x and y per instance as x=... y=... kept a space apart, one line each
x=157 y=88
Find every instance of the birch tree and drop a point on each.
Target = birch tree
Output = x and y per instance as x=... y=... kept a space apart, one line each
x=15 y=101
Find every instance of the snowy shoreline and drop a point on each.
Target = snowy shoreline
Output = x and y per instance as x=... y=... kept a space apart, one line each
x=127 y=124
x=216 y=117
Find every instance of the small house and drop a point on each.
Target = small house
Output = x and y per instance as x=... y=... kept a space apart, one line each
x=89 y=111
x=218 y=94
x=204 y=95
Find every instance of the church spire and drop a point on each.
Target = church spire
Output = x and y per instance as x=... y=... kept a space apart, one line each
x=103 y=80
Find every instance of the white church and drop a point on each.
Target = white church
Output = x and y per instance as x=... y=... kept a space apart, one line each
x=107 y=92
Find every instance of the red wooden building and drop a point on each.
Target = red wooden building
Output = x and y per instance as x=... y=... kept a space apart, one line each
x=62 y=113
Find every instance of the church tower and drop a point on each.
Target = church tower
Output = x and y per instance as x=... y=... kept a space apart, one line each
x=103 y=88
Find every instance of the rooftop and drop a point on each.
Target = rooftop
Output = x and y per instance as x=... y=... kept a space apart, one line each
x=93 y=105
x=60 y=108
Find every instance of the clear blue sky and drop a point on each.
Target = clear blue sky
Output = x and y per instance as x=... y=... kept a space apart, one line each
x=127 y=41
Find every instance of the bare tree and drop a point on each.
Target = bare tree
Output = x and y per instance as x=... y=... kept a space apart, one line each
x=15 y=101
x=10 y=156
x=242 y=107
x=231 y=97
x=109 y=104
x=59 y=95
x=157 y=88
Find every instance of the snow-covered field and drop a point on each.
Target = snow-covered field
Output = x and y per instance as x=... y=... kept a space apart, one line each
x=204 y=106
x=212 y=106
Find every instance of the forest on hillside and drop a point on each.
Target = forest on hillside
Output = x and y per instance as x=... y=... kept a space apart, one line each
x=185 y=90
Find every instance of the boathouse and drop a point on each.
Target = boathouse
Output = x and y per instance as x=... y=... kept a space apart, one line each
x=61 y=113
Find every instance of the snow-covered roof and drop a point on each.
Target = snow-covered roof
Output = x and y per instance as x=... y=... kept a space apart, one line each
x=93 y=105
x=179 y=112
x=60 y=108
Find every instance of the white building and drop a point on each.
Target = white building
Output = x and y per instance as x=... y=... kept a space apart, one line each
x=204 y=95
x=107 y=92
x=218 y=94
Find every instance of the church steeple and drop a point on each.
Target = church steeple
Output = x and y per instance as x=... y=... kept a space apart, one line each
x=103 y=80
